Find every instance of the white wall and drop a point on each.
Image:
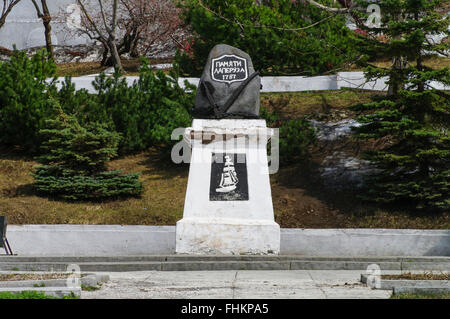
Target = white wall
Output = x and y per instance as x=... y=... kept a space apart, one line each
x=24 y=29
x=282 y=83
x=116 y=240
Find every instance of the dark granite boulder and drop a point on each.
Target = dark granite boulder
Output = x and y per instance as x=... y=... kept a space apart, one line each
x=229 y=86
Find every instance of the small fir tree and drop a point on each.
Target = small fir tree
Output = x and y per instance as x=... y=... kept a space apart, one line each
x=414 y=116
x=73 y=162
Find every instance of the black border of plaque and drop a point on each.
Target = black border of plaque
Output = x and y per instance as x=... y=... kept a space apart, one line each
x=240 y=76
x=240 y=166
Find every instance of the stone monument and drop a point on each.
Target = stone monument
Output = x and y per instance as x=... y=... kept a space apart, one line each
x=228 y=206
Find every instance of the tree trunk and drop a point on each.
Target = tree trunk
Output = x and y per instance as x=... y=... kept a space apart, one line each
x=112 y=39
x=48 y=39
x=46 y=18
x=2 y=21
x=115 y=55
x=105 y=54
x=398 y=64
x=419 y=65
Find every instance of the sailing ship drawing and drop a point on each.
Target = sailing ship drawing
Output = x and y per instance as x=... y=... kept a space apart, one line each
x=228 y=178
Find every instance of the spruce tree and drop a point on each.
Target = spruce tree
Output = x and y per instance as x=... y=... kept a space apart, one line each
x=73 y=162
x=414 y=117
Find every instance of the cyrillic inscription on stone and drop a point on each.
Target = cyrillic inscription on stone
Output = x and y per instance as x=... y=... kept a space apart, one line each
x=229 y=68
x=228 y=177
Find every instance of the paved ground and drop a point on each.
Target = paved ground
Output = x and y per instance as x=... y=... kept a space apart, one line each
x=301 y=284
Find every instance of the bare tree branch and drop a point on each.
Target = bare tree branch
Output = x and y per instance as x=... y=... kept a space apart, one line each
x=330 y=9
x=135 y=26
x=114 y=17
x=103 y=15
x=8 y=5
x=91 y=21
x=107 y=38
x=38 y=10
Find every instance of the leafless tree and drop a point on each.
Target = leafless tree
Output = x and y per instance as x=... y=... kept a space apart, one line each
x=144 y=22
x=7 y=6
x=140 y=24
x=101 y=25
x=44 y=14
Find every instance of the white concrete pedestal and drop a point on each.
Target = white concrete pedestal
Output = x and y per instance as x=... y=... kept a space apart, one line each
x=244 y=226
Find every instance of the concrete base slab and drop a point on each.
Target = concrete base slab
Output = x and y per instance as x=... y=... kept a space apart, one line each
x=219 y=236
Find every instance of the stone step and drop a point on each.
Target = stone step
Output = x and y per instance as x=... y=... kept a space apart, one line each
x=185 y=258
x=180 y=263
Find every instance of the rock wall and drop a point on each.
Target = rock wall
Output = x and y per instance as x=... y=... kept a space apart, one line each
x=341 y=167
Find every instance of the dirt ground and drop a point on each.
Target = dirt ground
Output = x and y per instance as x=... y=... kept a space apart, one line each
x=298 y=200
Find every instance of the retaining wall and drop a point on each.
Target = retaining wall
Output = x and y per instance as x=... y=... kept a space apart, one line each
x=116 y=240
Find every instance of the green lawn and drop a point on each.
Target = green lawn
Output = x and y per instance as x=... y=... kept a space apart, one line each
x=31 y=295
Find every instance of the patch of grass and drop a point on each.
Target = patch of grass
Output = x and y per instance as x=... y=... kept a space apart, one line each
x=32 y=295
x=434 y=62
x=160 y=204
x=17 y=277
x=407 y=295
x=423 y=276
x=131 y=67
x=396 y=219
x=79 y=69
x=320 y=105
x=90 y=288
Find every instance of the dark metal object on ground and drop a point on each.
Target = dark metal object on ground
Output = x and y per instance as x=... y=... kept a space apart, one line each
x=3 y=240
